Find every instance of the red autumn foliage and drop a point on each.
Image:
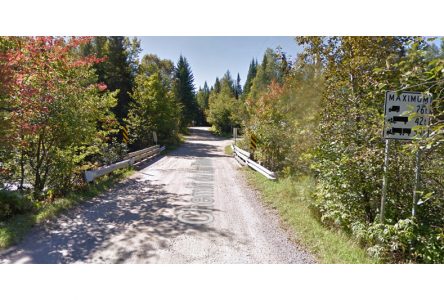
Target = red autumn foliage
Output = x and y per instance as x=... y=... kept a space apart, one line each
x=264 y=105
x=34 y=68
x=102 y=86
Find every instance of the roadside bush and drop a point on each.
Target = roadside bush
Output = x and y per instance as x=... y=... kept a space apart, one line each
x=404 y=241
x=13 y=203
x=112 y=152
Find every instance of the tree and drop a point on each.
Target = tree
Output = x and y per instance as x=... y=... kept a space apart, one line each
x=252 y=70
x=151 y=64
x=217 y=86
x=184 y=91
x=284 y=119
x=224 y=111
x=154 y=109
x=202 y=98
x=6 y=107
x=227 y=84
x=270 y=69
x=56 y=107
x=119 y=68
x=238 y=87
x=350 y=64
x=133 y=49
x=119 y=74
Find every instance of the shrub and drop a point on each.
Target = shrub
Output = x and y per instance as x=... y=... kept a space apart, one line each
x=404 y=241
x=13 y=203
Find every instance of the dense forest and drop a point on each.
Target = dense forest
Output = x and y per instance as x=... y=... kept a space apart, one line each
x=321 y=115
x=64 y=102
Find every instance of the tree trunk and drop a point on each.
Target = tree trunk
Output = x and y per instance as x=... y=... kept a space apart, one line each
x=22 y=169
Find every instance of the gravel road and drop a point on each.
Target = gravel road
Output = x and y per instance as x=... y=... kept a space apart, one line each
x=189 y=206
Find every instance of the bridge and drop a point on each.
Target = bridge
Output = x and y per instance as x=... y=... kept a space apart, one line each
x=191 y=205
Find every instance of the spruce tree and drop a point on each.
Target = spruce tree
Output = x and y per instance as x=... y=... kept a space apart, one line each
x=265 y=60
x=217 y=86
x=273 y=68
x=119 y=68
x=205 y=88
x=238 y=87
x=252 y=70
x=227 y=84
x=202 y=101
x=184 y=92
x=119 y=74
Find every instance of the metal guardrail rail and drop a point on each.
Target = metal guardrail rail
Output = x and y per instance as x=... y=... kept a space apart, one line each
x=130 y=159
x=243 y=157
x=139 y=152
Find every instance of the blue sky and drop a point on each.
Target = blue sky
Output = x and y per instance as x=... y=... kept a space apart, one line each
x=211 y=57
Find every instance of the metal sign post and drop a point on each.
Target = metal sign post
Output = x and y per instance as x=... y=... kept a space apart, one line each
x=235 y=134
x=417 y=178
x=384 y=181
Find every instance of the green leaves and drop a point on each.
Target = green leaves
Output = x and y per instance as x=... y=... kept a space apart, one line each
x=349 y=153
x=155 y=109
x=58 y=110
x=184 y=92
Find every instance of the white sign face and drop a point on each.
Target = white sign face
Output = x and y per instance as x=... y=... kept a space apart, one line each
x=235 y=132
x=404 y=112
x=155 y=137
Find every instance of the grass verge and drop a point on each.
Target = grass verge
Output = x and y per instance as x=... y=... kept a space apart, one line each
x=228 y=150
x=14 y=229
x=291 y=199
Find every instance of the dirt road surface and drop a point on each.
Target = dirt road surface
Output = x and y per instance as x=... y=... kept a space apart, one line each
x=189 y=206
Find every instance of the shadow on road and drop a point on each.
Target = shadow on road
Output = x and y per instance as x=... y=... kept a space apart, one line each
x=132 y=222
x=197 y=145
x=189 y=150
x=203 y=134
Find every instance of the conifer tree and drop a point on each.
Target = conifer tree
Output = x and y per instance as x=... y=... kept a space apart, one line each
x=119 y=68
x=184 y=91
x=217 y=86
x=119 y=74
x=238 y=87
x=252 y=70
x=202 y=101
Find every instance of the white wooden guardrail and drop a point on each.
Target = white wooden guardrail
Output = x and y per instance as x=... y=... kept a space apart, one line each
x=130 y=160
x=243 y=157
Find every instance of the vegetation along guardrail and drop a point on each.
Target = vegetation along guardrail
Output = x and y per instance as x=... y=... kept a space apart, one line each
x=243 y=157
x=130 y=160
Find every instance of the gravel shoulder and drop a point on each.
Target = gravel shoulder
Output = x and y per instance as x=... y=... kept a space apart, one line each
x=191 y=206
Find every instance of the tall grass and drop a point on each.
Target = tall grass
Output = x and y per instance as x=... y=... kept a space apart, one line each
x=291 y=198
